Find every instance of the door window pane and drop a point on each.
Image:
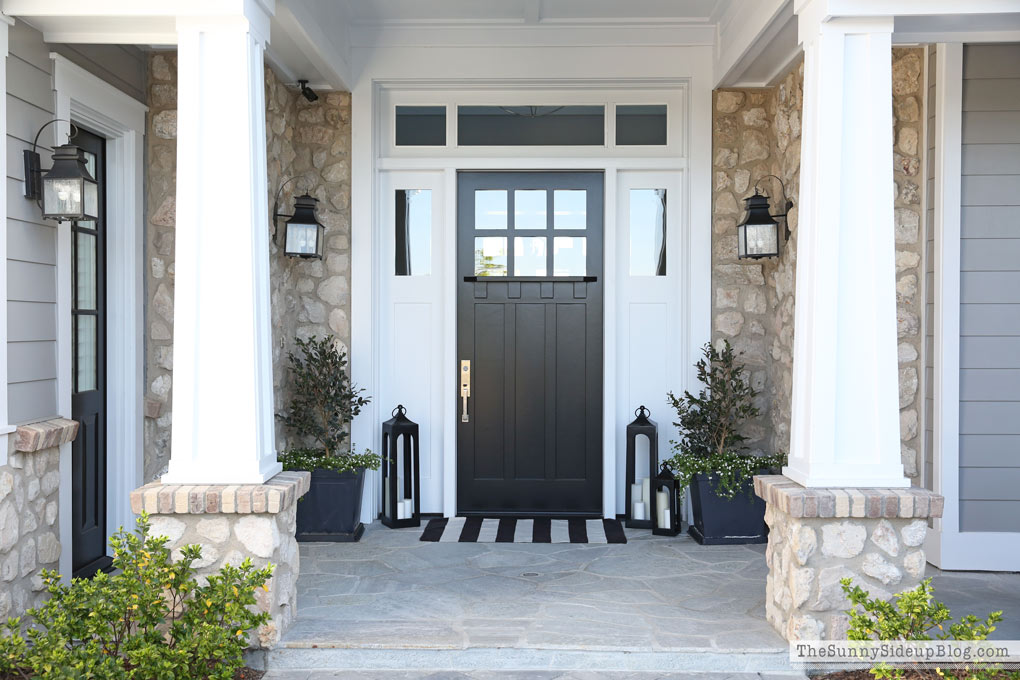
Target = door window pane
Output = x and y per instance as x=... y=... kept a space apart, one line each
x=490 y=209
x=421 y=125
x=570 y=209
x=570 y=255
x=529 y=256
x=531 y=125
x=85 y=271
x=643 y=124
x=529 y=209
x=647 y=232
x=85 y=352
x=413 y=232
x=490 y=256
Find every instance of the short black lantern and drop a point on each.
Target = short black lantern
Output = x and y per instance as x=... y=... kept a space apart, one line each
x=758 y=234
x=400 y=485
x=639 y=489
x=68 y=191
x=664 y=503
x=303 y=234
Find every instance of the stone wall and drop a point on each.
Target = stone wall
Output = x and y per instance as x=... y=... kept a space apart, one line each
x=756 y=132
x=29 y=512
x=308 y=297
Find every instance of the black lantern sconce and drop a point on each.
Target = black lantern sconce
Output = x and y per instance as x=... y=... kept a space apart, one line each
x=758 y=234
x=400 y=485
x=639 y=490
x=303 y=233
x=664 y=503
x=67 y=191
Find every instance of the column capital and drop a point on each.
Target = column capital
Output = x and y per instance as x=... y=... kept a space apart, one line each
x=816 y=17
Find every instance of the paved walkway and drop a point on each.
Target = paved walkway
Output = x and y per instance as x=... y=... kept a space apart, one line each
x=528 y=675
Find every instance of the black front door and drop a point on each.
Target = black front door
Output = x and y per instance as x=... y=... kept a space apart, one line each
x=529 y=280
x=88 y=357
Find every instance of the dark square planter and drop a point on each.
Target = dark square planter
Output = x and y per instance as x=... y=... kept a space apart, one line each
x=331 y=510
x=726 y=521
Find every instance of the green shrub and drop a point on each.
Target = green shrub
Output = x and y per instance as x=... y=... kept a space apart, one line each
x=325 y=402
x=149 y=619
x=915 y=615
x=710 y=440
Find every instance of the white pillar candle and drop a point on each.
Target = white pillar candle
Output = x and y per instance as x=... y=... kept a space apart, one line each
x=401 y=510
x=386 y=500
x=639 y=511
x=662 y=508
x=635 y=493
x=646 y=490
x=408 y=508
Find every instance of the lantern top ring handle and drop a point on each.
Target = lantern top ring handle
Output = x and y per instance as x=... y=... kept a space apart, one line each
x=400 y=408
x=71 y=136
x=642 y=411
x=786 y=201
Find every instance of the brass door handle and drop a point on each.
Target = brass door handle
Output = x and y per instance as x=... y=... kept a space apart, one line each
x=465 y=389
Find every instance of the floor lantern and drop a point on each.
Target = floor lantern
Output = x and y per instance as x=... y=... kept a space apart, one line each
x=664 y=506
x=639 y=489
x=400 y=466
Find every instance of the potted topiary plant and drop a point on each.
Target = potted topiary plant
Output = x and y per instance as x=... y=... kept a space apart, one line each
x=710 y=456
x=324 y=404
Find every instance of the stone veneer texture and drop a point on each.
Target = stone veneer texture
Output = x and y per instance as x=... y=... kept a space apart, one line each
x=756 y=132
x=231 y=523
x=308 y=297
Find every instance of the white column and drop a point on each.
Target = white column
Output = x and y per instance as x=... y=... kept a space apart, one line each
x=845 y=419
x=222 y=405
x=5 y=429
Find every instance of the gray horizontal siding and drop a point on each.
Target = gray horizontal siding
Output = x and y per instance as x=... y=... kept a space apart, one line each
x=990 y=290
x=122 y=66
x=32 y=401
x=31 y=361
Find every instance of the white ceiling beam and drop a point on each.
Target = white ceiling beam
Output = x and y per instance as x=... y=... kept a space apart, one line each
x=128 y=8
x=745 y=29
x=328 y=53
x=901 y=8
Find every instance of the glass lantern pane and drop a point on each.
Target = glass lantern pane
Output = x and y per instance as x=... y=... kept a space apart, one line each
x=490 y=256
x=301 y=238
x=647 y=232
x=529 y=256
x=85 y=271
x=90 y=163
x=570 y=209
x=490 y=209
x=570 y=256
x=91 y=199
x=62 y=196
x=529 y=209
x=85 y=352
x=761 y=239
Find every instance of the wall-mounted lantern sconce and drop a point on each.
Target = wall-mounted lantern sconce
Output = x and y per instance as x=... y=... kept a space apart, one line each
x=67 y=191
x=303 y=235
x=758 y=234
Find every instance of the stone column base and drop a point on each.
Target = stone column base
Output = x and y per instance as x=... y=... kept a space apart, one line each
x=232 y=522
x=819 y=536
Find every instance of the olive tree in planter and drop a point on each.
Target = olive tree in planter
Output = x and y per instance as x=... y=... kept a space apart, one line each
x=324 y=403
x=710 y=456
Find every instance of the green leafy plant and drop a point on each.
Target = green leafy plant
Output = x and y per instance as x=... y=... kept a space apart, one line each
x=325 y=402
x=150 y=619
x=914 y=615
x=710 y=441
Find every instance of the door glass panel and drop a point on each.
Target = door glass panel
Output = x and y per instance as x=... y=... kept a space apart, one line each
x=529 y=256
x=643 y=124
x=85 y=271
x=529 y=209
x=490 y=256
x=570 y=256
x=531 y=125
x=490 y=209
x=570 y=209
x=85 y=352
x=413 y=232
x=90 y=163
x=647 y=232
x=421 y=125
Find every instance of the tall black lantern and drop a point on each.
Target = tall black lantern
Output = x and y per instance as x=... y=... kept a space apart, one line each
x=664 y=503
x=758 y=234
x=639 y=490
x=67 y=191
x=400 y=485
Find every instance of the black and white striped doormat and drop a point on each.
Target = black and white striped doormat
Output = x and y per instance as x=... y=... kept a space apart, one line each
x=481 y=530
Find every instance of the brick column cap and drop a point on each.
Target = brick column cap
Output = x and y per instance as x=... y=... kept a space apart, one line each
x=798 y=501
x=276 y=495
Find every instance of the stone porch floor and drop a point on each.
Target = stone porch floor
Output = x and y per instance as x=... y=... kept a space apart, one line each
x=396 y=606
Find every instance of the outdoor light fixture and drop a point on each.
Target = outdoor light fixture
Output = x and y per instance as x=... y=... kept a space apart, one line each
x=304 y=233
x=758 y=234
x=67 y=191
x=307 y=92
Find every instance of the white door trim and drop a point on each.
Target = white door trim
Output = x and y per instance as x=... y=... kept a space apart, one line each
x=83 y=97
x=5 y=429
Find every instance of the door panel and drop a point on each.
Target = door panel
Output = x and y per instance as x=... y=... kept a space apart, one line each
x=88 y=397
x=530 y=321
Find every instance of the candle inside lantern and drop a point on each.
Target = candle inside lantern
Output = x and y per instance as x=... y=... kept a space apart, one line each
x=646 y=490
x=639 y=511
x=408 y=508
x=662 y=509
x=635 y=493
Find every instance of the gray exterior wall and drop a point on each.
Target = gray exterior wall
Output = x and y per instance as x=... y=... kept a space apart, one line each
x=990 y=290
x=31 y=241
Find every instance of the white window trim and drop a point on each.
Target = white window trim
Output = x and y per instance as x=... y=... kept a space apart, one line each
x=83 y=97
x=948 y=547
x=5 y=429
